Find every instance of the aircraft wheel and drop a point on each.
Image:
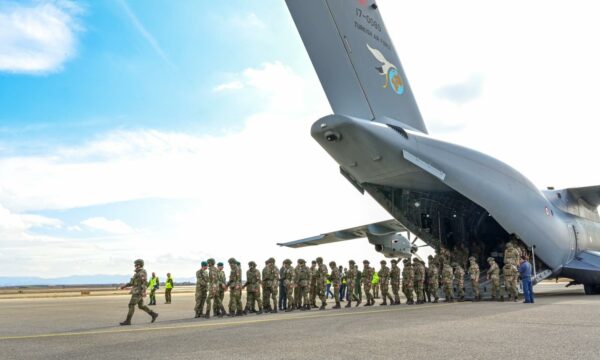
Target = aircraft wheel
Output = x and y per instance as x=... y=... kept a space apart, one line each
x=591 y=289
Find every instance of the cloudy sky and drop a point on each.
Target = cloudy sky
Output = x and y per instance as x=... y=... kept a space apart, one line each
x=177 y=131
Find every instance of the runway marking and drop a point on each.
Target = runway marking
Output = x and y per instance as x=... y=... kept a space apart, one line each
x=216 y=324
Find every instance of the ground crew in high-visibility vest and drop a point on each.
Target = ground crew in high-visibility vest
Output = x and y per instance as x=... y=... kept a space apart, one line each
x=168 y=288
x=153 y=286
x=375 y=285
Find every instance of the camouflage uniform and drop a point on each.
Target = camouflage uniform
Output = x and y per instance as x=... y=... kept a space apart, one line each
x=433 y=279
x=213 y=288
x=384 y=280
x=367 y=278
x=222 y=287
x=395 y=280
x=474 y=274
x=313 y=284
x=511 y=254
x=275 y=284
x=138 y=284
x=267 y=285
x=235 y=289
x=351 y=282
x=335 y=283
x=289 y=283
x=447 y=277
x=510 y=273
x=322 y=273
x=493 y=274
x=301 y=280
x=459 y=276
x=419 y=280
x=408 y=276
x=253 y=288
x=201 y=287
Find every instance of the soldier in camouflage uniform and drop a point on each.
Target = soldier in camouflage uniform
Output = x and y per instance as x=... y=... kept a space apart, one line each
x=275 y=287
x=395 y=280
x=222 y=288
x=408 y=276
x=289 y=274
x=252 y=286
x=511 y=254
x=272 y=279
x=138 y=284
x=213 y=288
x=351 y=282
x=235 y=289
x=336 y=281
x=313 y=284
x=322 y=274
x=419 y=280
x=301 y=280
x=447 y=278
x=493 y=274
x=367 y=279
x=267 y=286
x=459 y=276
x=201 y=288
x=510 y=273
x=384 y=280
x=474 y=275
x=433 y=279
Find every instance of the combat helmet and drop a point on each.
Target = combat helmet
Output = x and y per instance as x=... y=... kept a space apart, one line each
x=271 y=260
x=472 y=258
x=366 y=262
x=394 y=261
x=490 y=259
x=211 y=261
x=383 y=262
x=139 y=262
x=332 y=263
x=509 y=244
x=351 y=262
x=319 y=260
x=231 y=261
x=287 y=261
x=301 y=261
x=252 y=264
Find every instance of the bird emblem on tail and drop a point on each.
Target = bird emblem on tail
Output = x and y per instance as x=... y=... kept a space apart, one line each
x=393 y=79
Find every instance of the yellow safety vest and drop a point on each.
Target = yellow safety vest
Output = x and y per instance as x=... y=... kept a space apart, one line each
x=169 y=283
x=375 y=278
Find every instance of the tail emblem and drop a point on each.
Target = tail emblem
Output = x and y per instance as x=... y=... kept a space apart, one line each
x=392 y=75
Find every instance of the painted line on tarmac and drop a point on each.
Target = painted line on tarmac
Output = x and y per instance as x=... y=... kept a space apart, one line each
x=217 y=324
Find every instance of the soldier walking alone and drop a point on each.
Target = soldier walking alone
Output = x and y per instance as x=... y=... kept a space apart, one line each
x=138 y=292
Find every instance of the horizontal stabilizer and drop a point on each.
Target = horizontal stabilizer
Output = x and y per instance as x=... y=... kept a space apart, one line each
x=380 y=228
x=591 y=194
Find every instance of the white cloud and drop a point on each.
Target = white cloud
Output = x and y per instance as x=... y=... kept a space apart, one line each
x=232 y=85
x=37 y=37
x=245 y=22
x=110 y=226
x=11 y=223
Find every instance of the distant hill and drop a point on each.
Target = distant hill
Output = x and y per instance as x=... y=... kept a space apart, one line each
x=74 y=280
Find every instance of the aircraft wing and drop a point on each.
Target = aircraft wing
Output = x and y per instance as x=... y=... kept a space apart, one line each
x=591 y=194
x=380 y=228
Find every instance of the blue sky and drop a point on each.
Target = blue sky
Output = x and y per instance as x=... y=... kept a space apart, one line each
x=179 y=130
x=148 y=66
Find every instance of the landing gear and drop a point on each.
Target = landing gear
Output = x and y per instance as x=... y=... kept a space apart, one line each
x=591 y=289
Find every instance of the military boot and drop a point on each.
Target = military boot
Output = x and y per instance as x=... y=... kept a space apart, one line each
x=337 y=305
x=126 y=322
x=207 y=315
x=239 y=313
x=323 y=305
x=223 y=312
x=435 y=301
x=154 y=316
x=501 y=299
x=349 y=304
x=274 y=311
x=384 y=302
x=461 y=299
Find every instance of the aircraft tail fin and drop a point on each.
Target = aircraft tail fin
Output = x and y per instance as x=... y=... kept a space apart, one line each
x=355 y=60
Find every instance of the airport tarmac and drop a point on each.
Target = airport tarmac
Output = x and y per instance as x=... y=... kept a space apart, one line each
x=563 y=323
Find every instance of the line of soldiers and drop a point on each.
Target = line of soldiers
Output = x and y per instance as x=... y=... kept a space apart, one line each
x=303 y=284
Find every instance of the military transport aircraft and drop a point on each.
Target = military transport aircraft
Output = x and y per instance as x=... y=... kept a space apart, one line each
x=445 y=194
